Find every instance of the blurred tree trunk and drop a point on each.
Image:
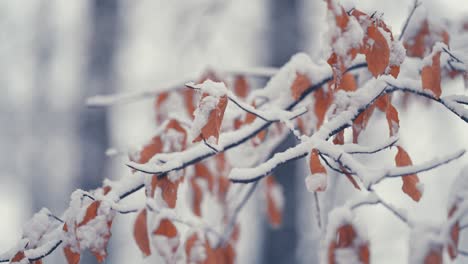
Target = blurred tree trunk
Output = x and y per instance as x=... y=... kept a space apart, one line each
x=93 y=123
x=280 y=244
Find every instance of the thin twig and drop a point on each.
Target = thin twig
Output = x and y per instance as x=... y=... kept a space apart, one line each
x=233 y=219
x=415 y=6
x=317 y=208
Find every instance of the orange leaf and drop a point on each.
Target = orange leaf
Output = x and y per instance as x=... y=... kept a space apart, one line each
x=215 y=118
x=168 y=188
x=364 y=254
x=91 y=212
x=348 y=82
x=431 y=77
x=154 y=147
x=345 y=238
x=72 y=256
x=18 y=257
x=361 y=122
x=241 y=86
x=323 y=100
x=392 y=119
x=166 y=228
x=193 y=241
x=315 y=164
x=410 y=182
x=160 y=99
x=140 y=233
x=300 y=85
x=351 y=179
x=274 y=203
x=222 y=254
x=434 y=256
x=394 y=71
x=249 y=118
x=378 y=53
x=339 y=138
x=418 y=44
x=189 y=96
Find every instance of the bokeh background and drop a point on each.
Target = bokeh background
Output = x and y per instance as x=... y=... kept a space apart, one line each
x=56 y=53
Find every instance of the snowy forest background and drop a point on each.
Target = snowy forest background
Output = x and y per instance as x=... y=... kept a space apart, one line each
x=55 y=53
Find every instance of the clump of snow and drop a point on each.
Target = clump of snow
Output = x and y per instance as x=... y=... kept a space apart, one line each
x=210 y=87
x=397 y=53
x=316 y=181
x=39 y=224
x=278 y=88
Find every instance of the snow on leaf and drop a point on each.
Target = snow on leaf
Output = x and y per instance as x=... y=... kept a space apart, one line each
x=392 y=120
x=168 y=189
x=431 y=76
x=410 y=182
x=140 y=233
x=377 y=53
x=149 y=150
x=71 y=256
x=300 y=84
x=202 y=173
x=209 y=113
x=323 y=100
x=223 y=254
x=360 y=123
x=345 y=243
x=422 y=35
x=425 y=245
x=166 y=239
x=275 y=201
x=160 y=99
x=317 y=181
x=458 y=195
x=195 y=249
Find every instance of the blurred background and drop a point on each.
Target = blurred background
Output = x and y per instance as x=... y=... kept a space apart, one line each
x=56 y=53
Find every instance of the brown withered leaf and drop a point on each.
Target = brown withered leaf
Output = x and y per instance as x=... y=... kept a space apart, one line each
x=300 y=85
x=410 y=182
x=431 y=76
x=140 y=233
x=274 y=210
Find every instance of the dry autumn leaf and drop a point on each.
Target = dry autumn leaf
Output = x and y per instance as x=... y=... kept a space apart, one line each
x=71 y=256
x=434 y=256
x=212 y=127
x=410 y=182
x=140 y=233
x=418 y=44
x=431 y=76
x=323 y=100
x=378 y=52
x=241 y=86
x=274 y=200
x=300 y=85
x=346 y=239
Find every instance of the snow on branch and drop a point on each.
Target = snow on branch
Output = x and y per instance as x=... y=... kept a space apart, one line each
x=227 y=140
